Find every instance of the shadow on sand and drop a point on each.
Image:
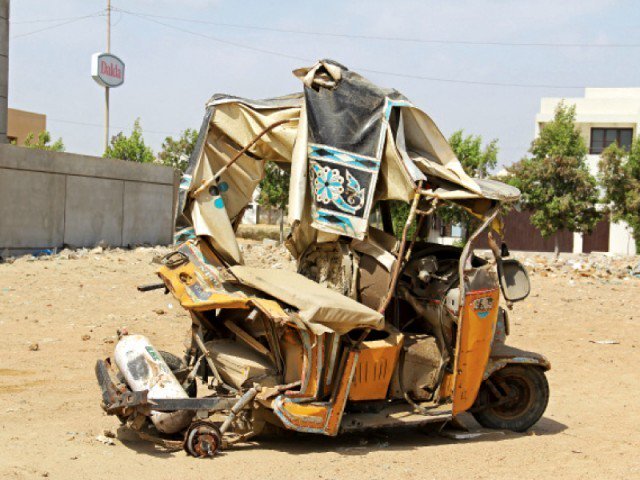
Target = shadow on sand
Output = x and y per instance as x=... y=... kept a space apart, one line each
x=399 y=439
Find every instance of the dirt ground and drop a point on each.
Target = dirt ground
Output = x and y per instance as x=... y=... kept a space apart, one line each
x=49 y=399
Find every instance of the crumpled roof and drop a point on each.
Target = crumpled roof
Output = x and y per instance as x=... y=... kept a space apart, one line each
x=412 y=152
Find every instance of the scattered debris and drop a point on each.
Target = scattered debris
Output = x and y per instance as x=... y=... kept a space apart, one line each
x=595 y=266
x=108 y=433
x=159 y=311
x=98 y=252
x=457 y=435
x=86 y=337
x=34 y=347
x=605 y=342
x=105 y=440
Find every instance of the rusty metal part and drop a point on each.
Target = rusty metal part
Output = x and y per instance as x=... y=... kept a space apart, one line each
x=124 y=403
x=497 y=254
x=151 y=286
x=109 y=391
x=169 y=445
x=229 y=441
x=255 y=139
x=239 y=405
x=174 y=259
x=203 y=439
x=466 y=251
x=423 y=215
x=403 y=243
x=197 y=338
x=193 y=373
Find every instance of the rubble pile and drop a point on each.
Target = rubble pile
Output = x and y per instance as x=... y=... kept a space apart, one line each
x=267 y=254
x=74 y=254
x=593 y=265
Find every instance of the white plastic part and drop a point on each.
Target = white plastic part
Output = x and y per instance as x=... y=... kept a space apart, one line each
x=145 y=369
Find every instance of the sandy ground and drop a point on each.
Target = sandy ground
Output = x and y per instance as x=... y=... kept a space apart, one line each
x=49 y=399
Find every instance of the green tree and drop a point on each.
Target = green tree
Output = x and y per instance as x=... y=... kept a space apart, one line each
x=555 y=182
x=130 y=148
x=477 y=161
x=620 y=179
x=43 y=142
x=274 y=191
x=176 y=152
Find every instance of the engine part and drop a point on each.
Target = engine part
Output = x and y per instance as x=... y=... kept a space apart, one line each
x=240 y=404
x=419 y=368
x=144 y=369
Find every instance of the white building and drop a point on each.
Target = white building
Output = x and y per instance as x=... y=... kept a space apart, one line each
x=604 y=116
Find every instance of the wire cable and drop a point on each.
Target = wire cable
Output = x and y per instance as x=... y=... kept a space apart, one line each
x=217 y=39
x=386 y=38
x=49 y=20
x=98 y=125
x=50 y=27
x=367 y=70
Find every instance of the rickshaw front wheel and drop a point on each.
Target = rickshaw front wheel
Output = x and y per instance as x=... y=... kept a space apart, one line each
x=514 y=398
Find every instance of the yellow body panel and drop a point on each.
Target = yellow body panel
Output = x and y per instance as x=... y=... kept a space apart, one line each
x=375 y=368
x=476 y=333
x=202 y=289
x=321 y=417
x=307 y=411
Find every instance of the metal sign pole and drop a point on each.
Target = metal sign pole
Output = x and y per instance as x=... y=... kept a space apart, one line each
x=106 y=89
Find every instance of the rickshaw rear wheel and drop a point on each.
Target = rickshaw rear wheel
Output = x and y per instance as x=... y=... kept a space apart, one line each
x=515 y=400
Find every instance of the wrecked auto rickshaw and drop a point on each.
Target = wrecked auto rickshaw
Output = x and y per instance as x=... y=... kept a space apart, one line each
x=378 y=328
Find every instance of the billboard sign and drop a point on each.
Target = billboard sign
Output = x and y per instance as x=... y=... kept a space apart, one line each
x=107 y=70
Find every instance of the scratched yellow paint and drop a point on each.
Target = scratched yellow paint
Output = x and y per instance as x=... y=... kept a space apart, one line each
x=476 y=334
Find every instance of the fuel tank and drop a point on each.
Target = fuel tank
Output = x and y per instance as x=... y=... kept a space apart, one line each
x=144 y=369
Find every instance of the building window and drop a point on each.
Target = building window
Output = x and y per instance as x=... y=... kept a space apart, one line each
x=601 y=138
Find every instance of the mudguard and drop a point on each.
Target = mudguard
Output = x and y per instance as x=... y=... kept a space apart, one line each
x=503 y=355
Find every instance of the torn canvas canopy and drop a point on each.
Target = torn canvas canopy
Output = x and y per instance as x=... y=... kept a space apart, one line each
x=347 y=124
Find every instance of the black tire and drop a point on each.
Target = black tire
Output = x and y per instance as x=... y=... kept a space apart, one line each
x=176 y=364
x=530 y=396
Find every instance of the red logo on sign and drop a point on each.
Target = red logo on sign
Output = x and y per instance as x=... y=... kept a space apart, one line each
x=111 y=69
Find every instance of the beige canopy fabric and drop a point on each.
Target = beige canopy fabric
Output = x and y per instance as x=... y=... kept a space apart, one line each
x=320 y=308
x=414 y=152
x=233 y=124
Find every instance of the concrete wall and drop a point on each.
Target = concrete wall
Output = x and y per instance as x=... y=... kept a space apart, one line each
x=4 y=67
x=49 y=200
x=621 y=239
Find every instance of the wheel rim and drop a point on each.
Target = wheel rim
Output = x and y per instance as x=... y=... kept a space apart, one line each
x=202 y=439
x=520 y=396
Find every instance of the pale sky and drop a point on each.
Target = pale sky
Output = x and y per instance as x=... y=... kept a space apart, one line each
x=171 y=73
